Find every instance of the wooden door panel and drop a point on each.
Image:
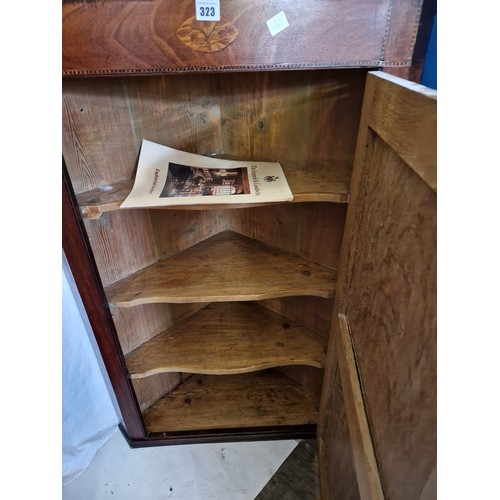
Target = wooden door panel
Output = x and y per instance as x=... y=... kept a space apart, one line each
x=367 y=473
x=384 y=322
x=337 y=477
x=390 y=309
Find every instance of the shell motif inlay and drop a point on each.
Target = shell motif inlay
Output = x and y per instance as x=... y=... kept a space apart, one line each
x=207 y=36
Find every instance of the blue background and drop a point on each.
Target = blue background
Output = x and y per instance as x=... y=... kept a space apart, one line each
x=429 y=74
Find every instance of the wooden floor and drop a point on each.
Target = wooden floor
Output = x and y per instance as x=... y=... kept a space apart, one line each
x=297 y=478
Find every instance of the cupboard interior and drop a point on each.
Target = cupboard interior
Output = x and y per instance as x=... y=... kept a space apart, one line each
x=222 y=314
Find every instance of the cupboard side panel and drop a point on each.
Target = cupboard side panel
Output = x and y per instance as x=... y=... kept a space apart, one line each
x=104 y=121
x=80 y=259
x=403 y=25
x=363 y=244
x=123 y=243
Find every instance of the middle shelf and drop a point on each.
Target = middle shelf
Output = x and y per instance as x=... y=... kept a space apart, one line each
x=225 y=267
x=228 y=338
x=307 y=185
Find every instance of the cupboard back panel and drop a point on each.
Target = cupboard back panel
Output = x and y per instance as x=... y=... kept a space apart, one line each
x=123 y=242
x=176 y=230
x=309 y=378
x=302 y=118
x=149 y=390
x=311 y=230
x=312 y=312
x=306 y=119
x=105 y=120
x=136 y=325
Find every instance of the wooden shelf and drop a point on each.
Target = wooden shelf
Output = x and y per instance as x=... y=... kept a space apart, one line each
x=228 y=338
x=259 y=399
x=307 y=185
x=225 y=267
x=310 y=184
x=104 y=199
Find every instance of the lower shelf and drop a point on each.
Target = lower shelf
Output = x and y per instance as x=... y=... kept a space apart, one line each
x=208 y=402
x=228 y=338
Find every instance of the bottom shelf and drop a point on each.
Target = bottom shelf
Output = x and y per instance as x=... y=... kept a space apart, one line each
x=207 y=402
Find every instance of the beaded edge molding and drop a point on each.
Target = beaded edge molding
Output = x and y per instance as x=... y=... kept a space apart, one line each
x=235 y=68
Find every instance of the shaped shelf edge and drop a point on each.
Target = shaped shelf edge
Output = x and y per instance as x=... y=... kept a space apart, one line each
x=225 y=267
x=228 y=338
x=306 y=186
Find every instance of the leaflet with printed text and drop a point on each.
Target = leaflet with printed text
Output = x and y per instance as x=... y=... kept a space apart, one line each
x=169 y=177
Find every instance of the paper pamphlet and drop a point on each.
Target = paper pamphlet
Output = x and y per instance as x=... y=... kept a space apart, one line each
x=169 y=177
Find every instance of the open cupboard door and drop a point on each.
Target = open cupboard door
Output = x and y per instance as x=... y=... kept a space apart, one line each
x=377 y=425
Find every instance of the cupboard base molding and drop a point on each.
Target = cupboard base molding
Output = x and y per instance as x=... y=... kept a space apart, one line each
x=222 y=436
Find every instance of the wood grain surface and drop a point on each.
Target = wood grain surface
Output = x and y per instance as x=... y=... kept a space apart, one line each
x=304 y=119
x=337 y=477
x=141 y=323
x=406 y=120
x=151 y=389
x=228 y=338
x=105 y=120
x=278 y=116
x=387 y=294
x=314 y=313
x=394 y=329
x=134 y=37
x=257 y=399
x=122 y=243
x=178 y=230
x=312 y=230
x=225 y=267
x=306 y=186
x=367 y=473
x=103 y=199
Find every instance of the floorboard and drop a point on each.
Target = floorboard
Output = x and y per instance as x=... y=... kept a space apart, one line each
x=297 y=478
